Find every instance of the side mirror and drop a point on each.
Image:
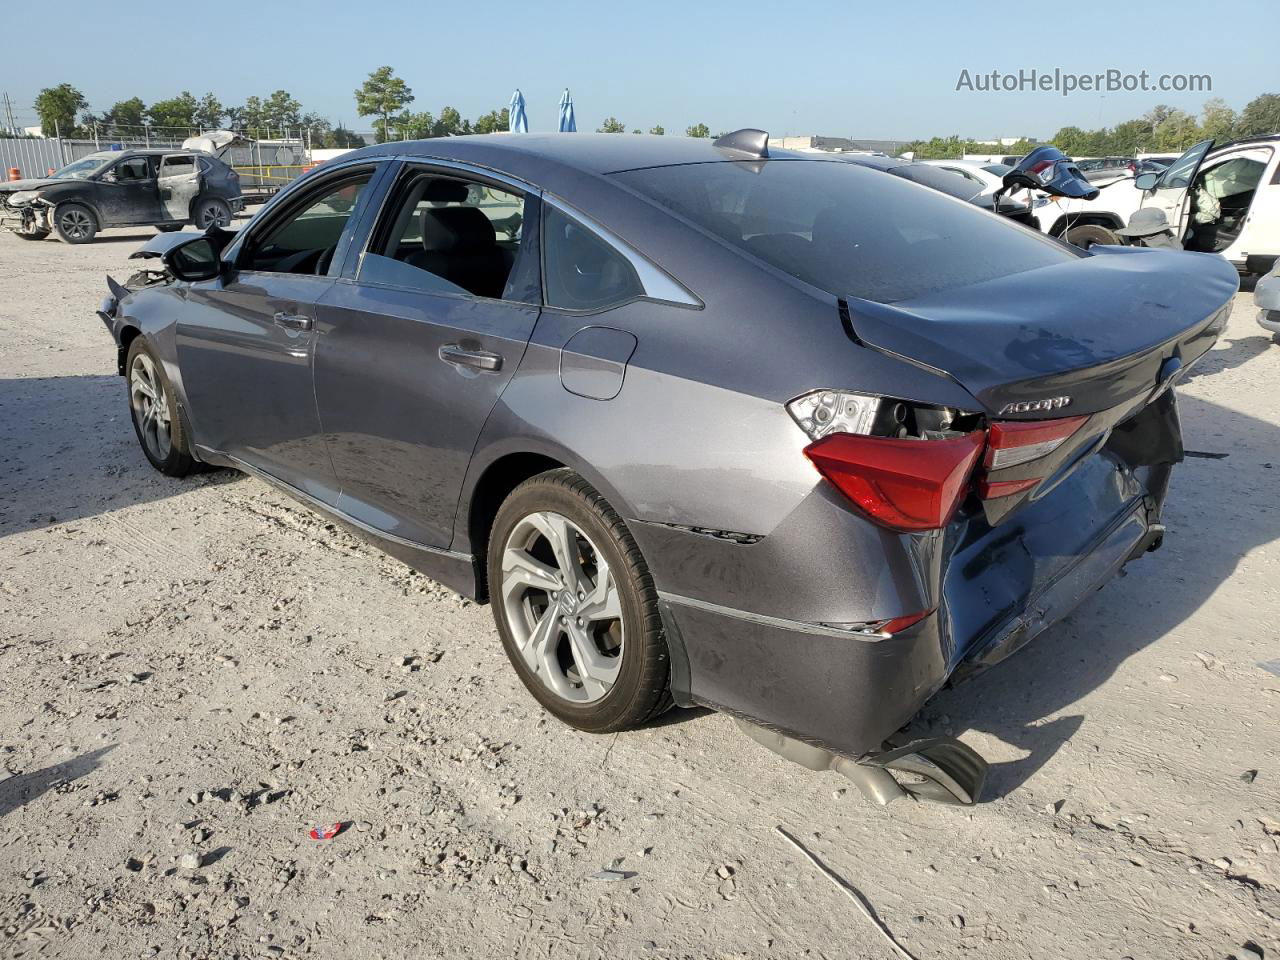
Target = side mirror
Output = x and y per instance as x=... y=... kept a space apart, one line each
x=110 y=176
x=1146 y=181
x=194 y=260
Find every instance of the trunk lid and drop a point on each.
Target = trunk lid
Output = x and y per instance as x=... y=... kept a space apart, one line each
x=1088 y=335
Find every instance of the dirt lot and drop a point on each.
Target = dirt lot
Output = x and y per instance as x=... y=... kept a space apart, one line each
x=197 y=672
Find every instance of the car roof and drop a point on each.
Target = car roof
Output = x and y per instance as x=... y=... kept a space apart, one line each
x=593 y=153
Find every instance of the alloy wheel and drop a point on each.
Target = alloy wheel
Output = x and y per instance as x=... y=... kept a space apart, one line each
x=563 y=607
x=150 y=407
x=76 y=224
x=213 y=215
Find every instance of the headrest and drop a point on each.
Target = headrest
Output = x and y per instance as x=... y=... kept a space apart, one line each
x=456 y=230
x=445 y=191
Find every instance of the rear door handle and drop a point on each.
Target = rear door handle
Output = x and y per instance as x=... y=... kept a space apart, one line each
x=477 y=359
x=292 y=321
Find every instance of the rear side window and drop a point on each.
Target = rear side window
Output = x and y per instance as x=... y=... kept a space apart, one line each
x=582 y=271
x=845 y=228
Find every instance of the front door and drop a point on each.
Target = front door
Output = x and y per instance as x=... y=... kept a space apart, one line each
x=179 y=185
x=1170 y=192
x=413 y=355
x=246 y=342
x=127 y=192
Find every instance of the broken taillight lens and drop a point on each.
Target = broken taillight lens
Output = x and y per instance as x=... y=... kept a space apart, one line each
x=1013 y=443
x=907 y=485
x=1010 y=443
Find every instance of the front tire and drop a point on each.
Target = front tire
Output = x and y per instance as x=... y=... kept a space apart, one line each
x=1091 y=234
x=154 y=411
x=34 y=235
x=576 y=607
x=75 y=223
x=169 y=227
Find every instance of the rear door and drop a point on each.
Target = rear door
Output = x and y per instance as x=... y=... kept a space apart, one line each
x=180 y=183
x=419 y=340
x=1170 y=191
x=246 y=342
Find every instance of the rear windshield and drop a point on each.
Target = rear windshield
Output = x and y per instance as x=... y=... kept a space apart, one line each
x=847 y=229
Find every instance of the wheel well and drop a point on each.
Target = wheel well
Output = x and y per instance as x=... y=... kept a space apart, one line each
x=493 y=487
x=1066 y=221
x=127 y=336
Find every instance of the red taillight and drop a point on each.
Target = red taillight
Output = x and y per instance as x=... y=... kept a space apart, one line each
x=898 y=624
x=1010 y=443
x=905 y=485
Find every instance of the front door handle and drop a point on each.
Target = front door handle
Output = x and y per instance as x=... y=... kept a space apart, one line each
x=478 y=359
x=292 y=321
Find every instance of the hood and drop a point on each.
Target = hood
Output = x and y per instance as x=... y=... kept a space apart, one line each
x=13 y=186
x=1095 y=330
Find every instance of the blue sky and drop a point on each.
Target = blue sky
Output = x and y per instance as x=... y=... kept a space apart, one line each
x=886 y=70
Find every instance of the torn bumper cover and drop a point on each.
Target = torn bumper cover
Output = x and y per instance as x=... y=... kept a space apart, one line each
x=25 y=212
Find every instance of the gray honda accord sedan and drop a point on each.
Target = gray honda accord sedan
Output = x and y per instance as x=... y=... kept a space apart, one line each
x=784 y=436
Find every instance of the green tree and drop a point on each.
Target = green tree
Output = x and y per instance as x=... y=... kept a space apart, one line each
x=280 y=111
x=1260 y=115
x=697 y=130
x=1177 y=131
x=177 y=112
x=209 y=112
x=612 y=125
x=1217 y=120
x=127 y=113
x=495 y=121
x=450 y=124
x=340 y=138
x=382 y=95
x=414 y=126
x=657 y=130
x=252 y=116
x=57 y=108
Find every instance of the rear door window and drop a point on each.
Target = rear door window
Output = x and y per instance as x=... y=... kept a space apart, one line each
x=447 y=233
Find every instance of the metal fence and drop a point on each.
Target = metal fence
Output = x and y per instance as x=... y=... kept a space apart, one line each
x=33 y=158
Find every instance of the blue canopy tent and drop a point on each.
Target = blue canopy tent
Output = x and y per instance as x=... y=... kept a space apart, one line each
x=567 y=122
x=518 y=122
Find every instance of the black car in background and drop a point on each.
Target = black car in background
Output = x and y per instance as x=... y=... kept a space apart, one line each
x=166 y=189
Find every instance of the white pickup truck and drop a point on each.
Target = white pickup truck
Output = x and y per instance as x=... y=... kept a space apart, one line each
x=1240 y=179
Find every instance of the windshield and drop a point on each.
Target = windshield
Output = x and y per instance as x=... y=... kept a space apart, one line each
x=85 y=167
x=847 y=229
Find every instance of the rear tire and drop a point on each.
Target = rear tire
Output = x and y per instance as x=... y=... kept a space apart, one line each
x=207 y=212
x=576 y=607
x=169 y=227
x=1086 y=235
x=154 y=412
x=75 y=223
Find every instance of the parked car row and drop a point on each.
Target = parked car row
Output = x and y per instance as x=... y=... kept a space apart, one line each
x=787 y=436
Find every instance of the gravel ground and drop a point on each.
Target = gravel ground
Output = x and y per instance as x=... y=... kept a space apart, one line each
x=197 y=672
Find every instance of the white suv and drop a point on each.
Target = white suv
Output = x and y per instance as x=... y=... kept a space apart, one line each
x=1223 y=201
